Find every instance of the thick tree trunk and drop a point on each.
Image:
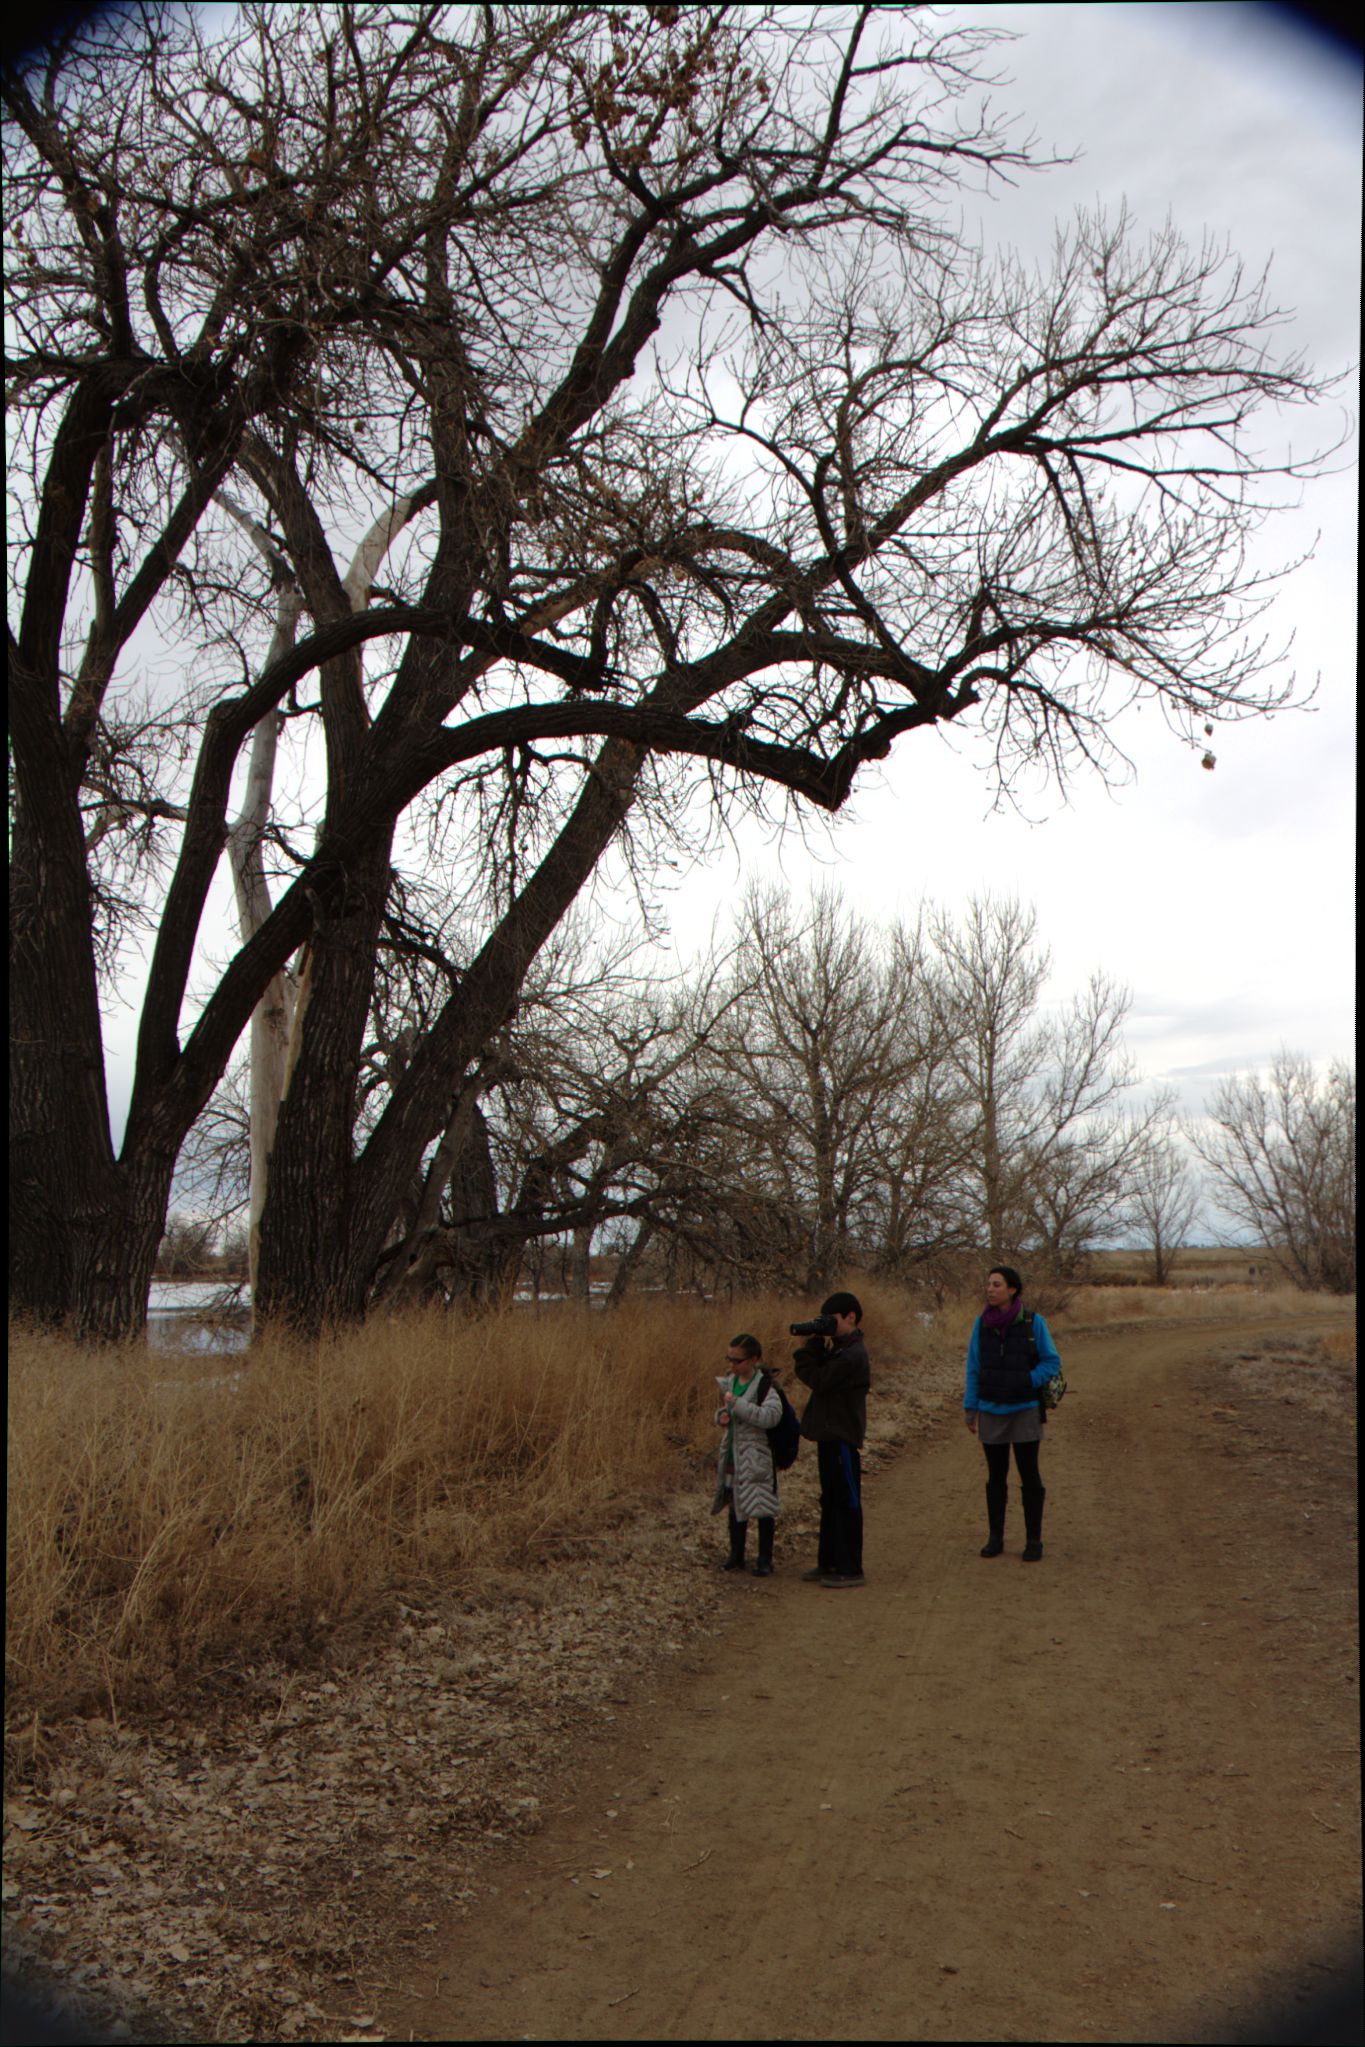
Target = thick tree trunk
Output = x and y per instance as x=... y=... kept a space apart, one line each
x=84 y=1228
x=82 y=1236
x=306 y=1274
x=580 y=1263
x=90 y=1271
x=115 y=1253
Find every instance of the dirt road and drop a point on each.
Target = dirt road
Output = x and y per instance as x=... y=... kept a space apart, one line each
x=1108 y=1797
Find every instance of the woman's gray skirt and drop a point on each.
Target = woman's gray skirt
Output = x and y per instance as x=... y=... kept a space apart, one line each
x=1026 y=1426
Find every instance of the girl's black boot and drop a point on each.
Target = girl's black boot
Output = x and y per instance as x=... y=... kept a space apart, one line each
x=738 y=1531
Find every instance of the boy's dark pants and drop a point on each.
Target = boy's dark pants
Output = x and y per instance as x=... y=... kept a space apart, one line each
x=841 y=1509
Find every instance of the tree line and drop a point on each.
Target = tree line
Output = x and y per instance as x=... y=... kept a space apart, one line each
x=827 y=1093
x=447 y=444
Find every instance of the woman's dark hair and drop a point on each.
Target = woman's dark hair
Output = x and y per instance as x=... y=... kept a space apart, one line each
x=1012 y=1279
x=750 y=1346
x=843 y=1304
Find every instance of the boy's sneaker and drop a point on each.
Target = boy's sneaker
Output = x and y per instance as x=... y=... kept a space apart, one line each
x=838 y=1579
x=815 y=1577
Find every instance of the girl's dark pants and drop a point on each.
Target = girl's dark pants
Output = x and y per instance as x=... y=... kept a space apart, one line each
x=740 y=1529
x=841 y=1509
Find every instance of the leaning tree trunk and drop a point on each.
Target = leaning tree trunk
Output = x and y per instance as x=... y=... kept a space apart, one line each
x=328 y=1217
x=628 y=1264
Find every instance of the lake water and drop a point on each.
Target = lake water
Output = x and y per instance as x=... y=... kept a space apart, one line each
x=205 y=1316
x=188 y=1315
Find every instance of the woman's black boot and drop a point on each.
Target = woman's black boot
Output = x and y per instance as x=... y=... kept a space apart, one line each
x=764 y=1567
x=1033 y=1525
x=996 y=1496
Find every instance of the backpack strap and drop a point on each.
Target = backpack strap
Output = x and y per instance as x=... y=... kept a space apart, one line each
x=767 y=1383
x=1027 y=1319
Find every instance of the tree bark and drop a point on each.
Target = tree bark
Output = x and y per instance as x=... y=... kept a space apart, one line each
x=307 y=1275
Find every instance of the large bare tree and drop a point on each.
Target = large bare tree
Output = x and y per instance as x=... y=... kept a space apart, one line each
x=509 y=402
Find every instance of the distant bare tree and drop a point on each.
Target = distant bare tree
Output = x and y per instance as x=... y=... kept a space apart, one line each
x=1163 y=1196
x=1049 y=1147
x=587 y=1114
x=1281 y=1150
x=843 y=1145
x=186 y=1250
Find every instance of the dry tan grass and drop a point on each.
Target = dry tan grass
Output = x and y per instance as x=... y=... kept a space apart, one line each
x=162 y=1516
x=1203 y=1265
x=168 y=1517
x=1099 y=1304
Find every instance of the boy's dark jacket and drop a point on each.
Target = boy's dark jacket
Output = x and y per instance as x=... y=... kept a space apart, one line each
x=839 y=1379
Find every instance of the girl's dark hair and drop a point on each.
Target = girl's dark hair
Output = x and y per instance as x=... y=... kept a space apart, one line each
x=843 y=1304
x=1011 y=1278
x=750 y=1346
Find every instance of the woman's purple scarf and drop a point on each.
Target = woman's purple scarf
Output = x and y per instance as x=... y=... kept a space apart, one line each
x=1001 y=1318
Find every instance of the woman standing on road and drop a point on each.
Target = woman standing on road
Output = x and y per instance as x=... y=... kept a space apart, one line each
x=1010 y=1356
x=746 y=1471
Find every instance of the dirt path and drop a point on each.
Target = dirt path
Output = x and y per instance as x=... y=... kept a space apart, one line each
x=1110 y=1797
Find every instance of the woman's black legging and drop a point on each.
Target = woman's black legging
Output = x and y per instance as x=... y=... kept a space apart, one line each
x=1025 y=1456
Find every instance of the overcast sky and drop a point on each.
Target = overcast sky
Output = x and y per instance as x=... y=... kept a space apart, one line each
x=1223 y=899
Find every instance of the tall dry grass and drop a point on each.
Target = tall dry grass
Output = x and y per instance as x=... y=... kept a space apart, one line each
x=169 y=1516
